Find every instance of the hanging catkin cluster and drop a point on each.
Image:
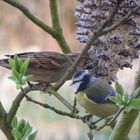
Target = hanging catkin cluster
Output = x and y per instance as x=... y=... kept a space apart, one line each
x=116 y=49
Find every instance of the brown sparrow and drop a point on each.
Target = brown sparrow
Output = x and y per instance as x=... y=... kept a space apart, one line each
x=46 y=67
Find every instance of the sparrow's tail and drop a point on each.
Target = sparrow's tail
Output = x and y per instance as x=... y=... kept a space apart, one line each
x=4 y=63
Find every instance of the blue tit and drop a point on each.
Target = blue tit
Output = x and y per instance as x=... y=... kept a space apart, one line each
x=92 y=94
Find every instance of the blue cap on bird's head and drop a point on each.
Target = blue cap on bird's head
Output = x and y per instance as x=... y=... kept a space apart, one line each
x=80 y=80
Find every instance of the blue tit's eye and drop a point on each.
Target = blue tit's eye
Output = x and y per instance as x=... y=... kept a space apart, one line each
x=76 y=81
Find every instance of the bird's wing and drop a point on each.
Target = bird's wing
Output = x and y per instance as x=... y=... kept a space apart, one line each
x=46 y=60
x=99 y=91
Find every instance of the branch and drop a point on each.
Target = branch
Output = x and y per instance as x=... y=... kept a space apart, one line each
x=4 y=125
x=53 y=32
x=63 y=113
x=54 y=16
x=33 y=18
x=2 y=111
x=16 y=104
x=51 y=91
x=20 y=96
x=56 y=26
x=121 y=21
x=125 y=123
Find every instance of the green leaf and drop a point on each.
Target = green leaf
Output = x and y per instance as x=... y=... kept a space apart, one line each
x=18 y=86
x=126 y=97
x=16 y=75
x=135 y=93
x=127 y=109
x=24 y=66
x=18 y=62
x=32 y=136
x=12 y=63
x=112 y=98
x=119 y=100
x=12 y=78
x=134 y=102
x=16 y=134
x=119 y=88
x=27 y=128
x=21 y=125
x=26 y=134
x=24 y=80
x=22 y=130
x=29 y=77
x=15 y=122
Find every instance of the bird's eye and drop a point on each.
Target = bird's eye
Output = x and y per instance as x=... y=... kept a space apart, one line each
x=76 y=81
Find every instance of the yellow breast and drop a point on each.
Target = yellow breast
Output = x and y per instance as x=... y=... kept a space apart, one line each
x=98 y=109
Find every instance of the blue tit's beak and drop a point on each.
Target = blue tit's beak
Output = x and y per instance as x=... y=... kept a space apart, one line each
x=71 y=84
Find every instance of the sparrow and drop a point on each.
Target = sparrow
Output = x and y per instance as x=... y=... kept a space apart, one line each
x=45 y=67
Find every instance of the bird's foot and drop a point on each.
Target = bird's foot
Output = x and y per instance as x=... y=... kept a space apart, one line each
x=87 y=118
x=30 y=84
x=39 y=86
x=93 y=124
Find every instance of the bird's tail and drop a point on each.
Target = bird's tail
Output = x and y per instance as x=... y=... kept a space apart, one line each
x=4 y=63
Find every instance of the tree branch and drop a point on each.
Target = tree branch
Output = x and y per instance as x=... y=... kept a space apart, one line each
x=54 y=16
x=20 y=96
x=16 y=104
x=2 y=111
x=121 y=21
x=51 y=91
x=56 y=26
x=4 y=125
x=52 y=31
x=33 y=18
x=127 y=120
x=63 y=113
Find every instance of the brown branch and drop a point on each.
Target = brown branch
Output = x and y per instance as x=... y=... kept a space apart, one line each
x=63 y=113
x=121 y=21
x=90 y=134
x=110 y=121
x=21 y=95
x=4 y=125
x=16 y=103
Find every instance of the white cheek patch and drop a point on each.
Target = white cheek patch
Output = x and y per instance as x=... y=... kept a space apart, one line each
x=76 y=86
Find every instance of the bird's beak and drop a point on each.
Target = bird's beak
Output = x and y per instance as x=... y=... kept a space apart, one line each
x=71 y=84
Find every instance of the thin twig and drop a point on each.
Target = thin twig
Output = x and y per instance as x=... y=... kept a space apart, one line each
x=20 y=96
x=90 y=134
x=60 y=112
x=74 y=106
x=110 y=121
x=51 y=91
x=121 y=21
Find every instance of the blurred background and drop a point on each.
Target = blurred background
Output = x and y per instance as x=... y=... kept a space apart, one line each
x=19 y=34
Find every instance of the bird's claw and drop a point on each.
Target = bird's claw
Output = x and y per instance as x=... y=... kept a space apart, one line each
x=42 y=86
x=87 y=118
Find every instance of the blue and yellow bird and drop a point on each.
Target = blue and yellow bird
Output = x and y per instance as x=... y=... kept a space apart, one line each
x=92 y=94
